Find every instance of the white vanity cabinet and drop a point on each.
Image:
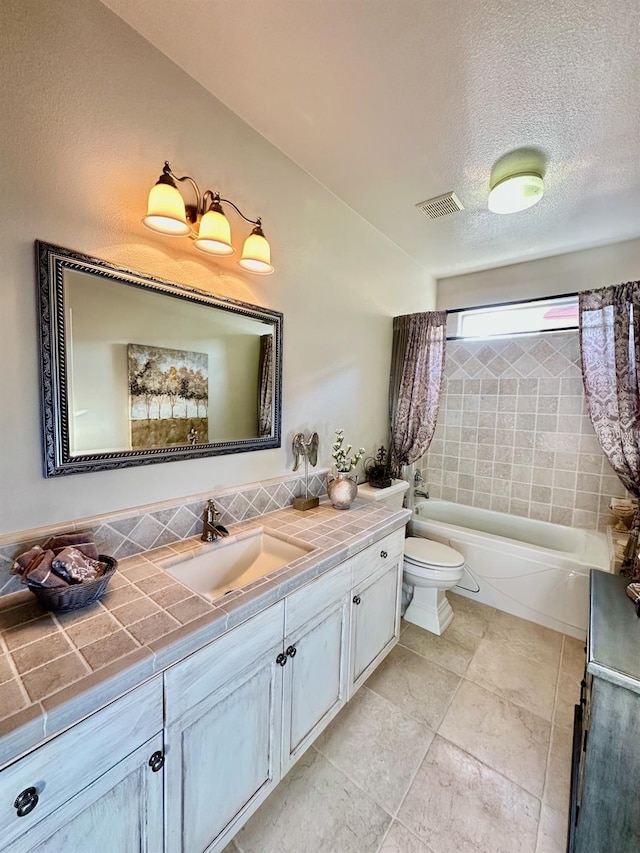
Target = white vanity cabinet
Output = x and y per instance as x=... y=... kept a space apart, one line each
x=316 y=673
x=375 y=603
x=237 y=715
x=92 y=787
x=241 y=711
x=223 y=738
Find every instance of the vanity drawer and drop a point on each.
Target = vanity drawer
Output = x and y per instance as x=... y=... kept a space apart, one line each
x=376 y=556
x=69 y=763
x=306 y=603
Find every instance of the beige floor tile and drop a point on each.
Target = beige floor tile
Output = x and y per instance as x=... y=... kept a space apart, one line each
x=377 y=746
x=416 y=685
x=476 y=616
x=558 y=781
x=315 y=808
x=456 y=803
x=506 y=737
x=514 y=676
x=573 y=658
x=552 y=831
x=400 y=840
x=453 y=649
x=567 y=697
x=531 y=640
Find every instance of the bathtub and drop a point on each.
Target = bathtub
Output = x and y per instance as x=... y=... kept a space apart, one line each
x=533 y=569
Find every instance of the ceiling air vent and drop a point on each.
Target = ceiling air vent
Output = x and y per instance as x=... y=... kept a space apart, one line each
x=441 y=205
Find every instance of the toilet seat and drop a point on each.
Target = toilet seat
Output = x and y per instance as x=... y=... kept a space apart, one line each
x=425 y=553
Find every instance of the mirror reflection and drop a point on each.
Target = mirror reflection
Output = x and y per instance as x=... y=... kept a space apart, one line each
x=148 y=370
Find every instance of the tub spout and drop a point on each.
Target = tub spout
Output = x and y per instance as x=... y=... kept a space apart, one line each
x=421 y=493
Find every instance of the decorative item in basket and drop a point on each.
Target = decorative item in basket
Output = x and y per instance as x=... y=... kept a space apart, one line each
x=66 y=572
x=378 y=469
x=75 y=596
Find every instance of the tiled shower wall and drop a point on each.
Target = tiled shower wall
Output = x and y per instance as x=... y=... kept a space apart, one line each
x=513 y=434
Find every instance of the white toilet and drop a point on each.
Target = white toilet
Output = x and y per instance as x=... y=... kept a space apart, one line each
x=431 y=568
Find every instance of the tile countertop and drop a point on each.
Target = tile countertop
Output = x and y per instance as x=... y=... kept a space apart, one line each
x=56 y=669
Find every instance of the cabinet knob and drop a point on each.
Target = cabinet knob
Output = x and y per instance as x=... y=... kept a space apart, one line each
x=356 y=599
x=291 y=651
x=156 y=762
x=281 y=659
x=384 y=555
x=26 y=802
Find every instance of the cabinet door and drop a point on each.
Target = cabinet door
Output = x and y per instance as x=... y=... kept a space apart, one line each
x=224 y=757
x=121 y=812
x=375 y=621
x=315 y=679
x=67 y=766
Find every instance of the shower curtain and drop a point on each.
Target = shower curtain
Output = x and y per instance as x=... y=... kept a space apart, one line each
x=265 y=386
x=610 y=352
x=417 y=366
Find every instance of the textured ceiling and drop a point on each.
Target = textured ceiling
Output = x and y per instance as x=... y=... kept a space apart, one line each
x=390 y=102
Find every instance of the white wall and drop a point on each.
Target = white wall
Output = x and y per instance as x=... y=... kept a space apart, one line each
x=568 y=273
x=90 y=111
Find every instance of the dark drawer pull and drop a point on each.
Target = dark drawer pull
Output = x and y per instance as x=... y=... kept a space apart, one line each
x=291 y=651
x=156 y=762
x=356 y=599
x=384 y=555
x=26 y=802
x=281 y=659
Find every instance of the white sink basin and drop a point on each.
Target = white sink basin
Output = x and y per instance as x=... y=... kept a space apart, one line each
x=231 y=565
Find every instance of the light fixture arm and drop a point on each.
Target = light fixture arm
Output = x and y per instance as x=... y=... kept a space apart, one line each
x=202 y=198
x=257 y=221
x=166 y=170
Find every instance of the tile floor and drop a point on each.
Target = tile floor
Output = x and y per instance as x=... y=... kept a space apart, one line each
x=455 y=744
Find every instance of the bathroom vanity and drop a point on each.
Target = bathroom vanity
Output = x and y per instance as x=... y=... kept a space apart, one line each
x=605 y=778
x=185 y=757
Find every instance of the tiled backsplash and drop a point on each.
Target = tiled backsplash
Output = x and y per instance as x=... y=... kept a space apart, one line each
x=140 y=529
x=513 y=434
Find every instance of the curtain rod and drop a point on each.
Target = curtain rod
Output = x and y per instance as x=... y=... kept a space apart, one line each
x=512 y=302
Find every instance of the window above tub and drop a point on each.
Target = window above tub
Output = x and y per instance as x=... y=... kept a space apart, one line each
x=551 y=314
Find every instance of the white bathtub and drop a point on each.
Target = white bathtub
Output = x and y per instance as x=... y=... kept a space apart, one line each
x=533 y=569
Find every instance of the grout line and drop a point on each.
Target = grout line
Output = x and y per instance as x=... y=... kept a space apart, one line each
x=16 y=674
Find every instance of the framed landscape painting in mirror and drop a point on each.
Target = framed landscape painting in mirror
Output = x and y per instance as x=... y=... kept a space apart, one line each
x=137 y=370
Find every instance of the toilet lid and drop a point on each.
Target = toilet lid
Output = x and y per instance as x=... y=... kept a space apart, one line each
x=419 y=550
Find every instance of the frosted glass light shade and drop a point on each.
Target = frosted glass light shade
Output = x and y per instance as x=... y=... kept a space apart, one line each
x=256 y=254
x=165 y=211
x=516 y=192
x=214 y=234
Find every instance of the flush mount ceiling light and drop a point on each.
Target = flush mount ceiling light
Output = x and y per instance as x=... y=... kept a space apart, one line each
x=205 y=222
x=516 y=192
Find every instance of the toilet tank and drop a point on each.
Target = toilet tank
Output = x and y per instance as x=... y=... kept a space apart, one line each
x=392 y=496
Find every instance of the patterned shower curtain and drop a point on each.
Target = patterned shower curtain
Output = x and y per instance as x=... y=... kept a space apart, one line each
x=417 y=366
x=610 y=350
x=265 y=386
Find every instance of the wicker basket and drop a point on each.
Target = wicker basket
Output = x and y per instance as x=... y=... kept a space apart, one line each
x=77 y=595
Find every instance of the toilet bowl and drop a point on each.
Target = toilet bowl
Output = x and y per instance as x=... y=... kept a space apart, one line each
x=431 y=568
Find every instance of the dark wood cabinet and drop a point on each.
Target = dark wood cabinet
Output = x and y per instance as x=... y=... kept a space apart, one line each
x=605 y=779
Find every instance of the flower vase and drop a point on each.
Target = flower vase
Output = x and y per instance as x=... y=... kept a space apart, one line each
x=342 y=490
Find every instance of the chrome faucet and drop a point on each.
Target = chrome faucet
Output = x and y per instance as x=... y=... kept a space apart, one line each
x=211 y=530
x=417 y=480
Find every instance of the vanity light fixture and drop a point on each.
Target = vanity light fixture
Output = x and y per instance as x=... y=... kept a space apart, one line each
x=205 y=222
x=516 y=192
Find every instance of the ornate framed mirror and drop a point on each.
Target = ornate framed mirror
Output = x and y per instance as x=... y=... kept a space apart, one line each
x=137 y=370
